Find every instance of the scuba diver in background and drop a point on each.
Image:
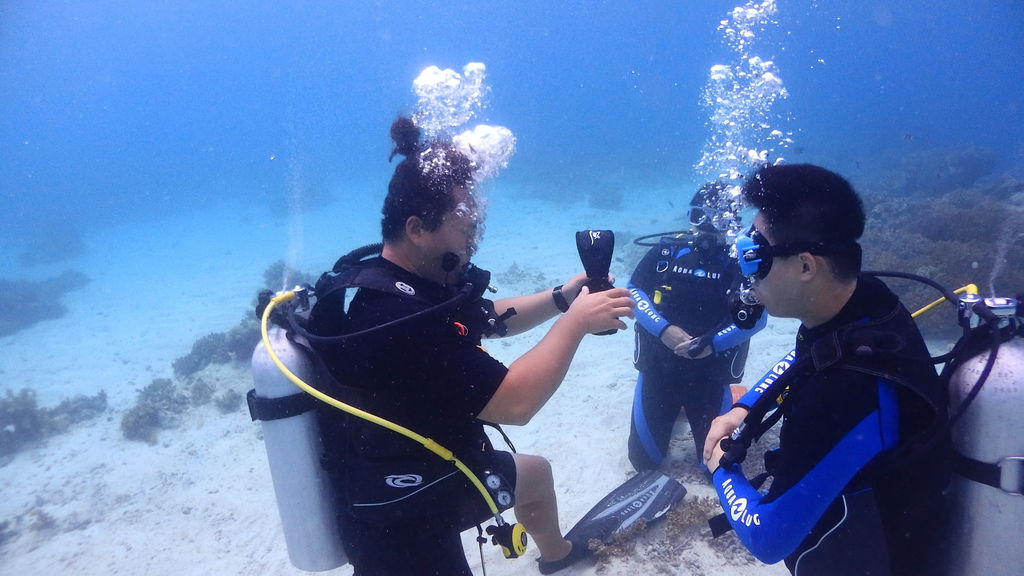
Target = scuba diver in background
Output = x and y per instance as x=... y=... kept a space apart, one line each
x=858 y=475
x=401 y=508
x=688 y=350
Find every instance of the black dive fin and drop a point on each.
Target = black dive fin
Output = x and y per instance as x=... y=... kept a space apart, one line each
x=595 y=248
x=646 y=496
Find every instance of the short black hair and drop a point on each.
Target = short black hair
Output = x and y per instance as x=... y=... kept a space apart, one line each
x=807 y=203
x=425 y=182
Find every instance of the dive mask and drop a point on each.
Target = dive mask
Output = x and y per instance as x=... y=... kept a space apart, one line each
x=755 y=254
x=697 y=215
x=752 y=253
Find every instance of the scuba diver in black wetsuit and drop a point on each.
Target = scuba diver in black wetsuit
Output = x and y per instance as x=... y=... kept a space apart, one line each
x=859 y=472
x=401 y=509
x=688 y=350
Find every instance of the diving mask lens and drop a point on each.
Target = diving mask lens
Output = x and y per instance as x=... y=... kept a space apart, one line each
x=698 y=215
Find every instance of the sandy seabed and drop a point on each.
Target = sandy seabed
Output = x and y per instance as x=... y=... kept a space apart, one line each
x=200 y=500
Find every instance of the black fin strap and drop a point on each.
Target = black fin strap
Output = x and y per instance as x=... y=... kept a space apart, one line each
x=267 y=409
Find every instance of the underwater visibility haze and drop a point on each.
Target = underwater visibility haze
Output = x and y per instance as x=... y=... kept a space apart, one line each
x=161 y=162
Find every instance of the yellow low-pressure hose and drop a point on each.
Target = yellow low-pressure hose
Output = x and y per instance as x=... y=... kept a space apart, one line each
x=969 y=289
x=426 y=442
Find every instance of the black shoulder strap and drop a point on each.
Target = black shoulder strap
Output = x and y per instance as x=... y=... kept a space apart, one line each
x=856 y=346
x=327 y=317
x=361 y=276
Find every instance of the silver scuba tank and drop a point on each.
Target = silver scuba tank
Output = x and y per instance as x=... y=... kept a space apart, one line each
x=304 y=496
x=987 y=521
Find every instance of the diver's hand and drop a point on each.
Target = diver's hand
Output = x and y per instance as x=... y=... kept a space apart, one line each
x=695 y=348
x=571 y=289
x=675 y=337
x=601 y=311
x=716 y=458
x=721 y=427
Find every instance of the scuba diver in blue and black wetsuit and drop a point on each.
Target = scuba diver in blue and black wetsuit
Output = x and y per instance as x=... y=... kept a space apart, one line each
x=688 y=350
x=418 y=362
x=858 y=476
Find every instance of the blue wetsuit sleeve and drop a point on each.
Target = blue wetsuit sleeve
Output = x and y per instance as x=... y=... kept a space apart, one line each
x=755 y=392
x=773 y=530
x=646 y=314
x=732 y=336
x=640 y=281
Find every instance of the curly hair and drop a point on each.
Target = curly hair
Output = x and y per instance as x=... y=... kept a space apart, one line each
x=425 y=182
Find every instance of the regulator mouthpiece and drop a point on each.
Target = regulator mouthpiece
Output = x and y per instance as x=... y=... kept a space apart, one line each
x=744 y=306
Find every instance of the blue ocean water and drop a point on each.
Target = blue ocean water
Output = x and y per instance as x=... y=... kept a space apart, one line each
x=169 y=151
x=116 y=110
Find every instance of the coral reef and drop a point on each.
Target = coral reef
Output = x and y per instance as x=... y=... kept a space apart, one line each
x=24 y=303
x=200 y=392
x=690 y=521
x=23 y=422
x=938 y=171
x=159 y=405
x=279 y=276
x=157 y=408
x=35 y=519
x=228 y=401
x=236 y=345
x=208 y=349
x=219 y=348
x=241 y=339
x=966 y=235
x=520 y=276
x=664 y=545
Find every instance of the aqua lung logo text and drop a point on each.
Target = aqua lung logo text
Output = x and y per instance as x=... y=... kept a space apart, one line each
x=403 y=480
x=628 y=511
x=405 y=288
x=738 y=506
x=778 y=370
x=643 y=306
x=696 y=272
x=725 y=331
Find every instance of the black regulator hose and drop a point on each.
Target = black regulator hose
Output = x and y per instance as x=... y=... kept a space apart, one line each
x=946 y=292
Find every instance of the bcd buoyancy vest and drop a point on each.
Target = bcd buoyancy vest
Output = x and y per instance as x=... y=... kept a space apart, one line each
x=876 y=347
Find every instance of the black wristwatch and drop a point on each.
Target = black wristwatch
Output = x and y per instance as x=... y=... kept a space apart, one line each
x=560 y=302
